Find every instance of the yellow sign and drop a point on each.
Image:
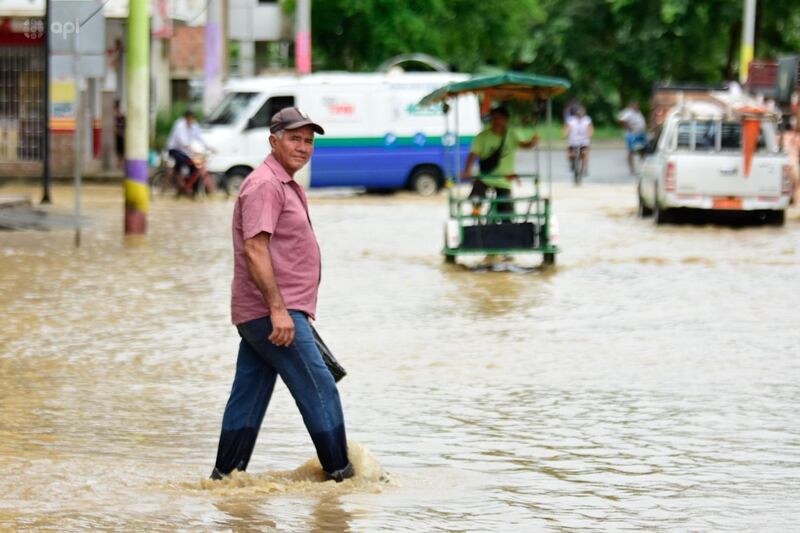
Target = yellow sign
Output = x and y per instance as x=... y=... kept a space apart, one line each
x=62 y=99
x=62 y=91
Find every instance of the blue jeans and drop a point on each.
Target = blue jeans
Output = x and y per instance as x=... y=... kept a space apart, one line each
x=182 y=159
x=635 y=141
x=301 y=367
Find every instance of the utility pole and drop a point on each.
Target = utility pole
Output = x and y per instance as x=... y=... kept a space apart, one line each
x=79 y=133
x=161 y=33
x=748 y=36
x=215 y=47
x=302 y=37
x=137 y=192
x=46 y=99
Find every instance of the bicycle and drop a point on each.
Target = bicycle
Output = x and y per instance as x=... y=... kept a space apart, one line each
x=163 y=178
x=577 y=162
x=167 y=177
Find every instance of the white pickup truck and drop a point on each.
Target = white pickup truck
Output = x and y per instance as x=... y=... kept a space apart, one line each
x=698 y=162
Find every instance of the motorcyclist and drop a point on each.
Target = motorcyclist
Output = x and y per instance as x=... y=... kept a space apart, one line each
x=183 y=134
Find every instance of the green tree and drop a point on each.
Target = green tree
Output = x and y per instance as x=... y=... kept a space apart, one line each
x=611 y=50
x=359 y=35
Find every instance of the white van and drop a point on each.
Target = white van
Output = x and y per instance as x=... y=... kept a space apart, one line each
x=376 y=134
x=698 y=163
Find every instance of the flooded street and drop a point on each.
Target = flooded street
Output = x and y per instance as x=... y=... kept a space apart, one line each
x=651 y=381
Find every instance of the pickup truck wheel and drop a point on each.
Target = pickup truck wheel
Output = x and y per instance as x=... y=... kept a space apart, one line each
x=776 y=218
x=660 y=215
x=643 y=211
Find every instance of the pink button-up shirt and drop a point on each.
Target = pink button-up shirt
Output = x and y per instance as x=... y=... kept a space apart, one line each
x=271 y=201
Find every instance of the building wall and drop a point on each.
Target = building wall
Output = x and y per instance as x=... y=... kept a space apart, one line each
x=187 y=52
x=22 y=111
x=23 y=117
x=254 y=20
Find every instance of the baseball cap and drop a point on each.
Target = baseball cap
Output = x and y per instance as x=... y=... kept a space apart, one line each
x=291 y=118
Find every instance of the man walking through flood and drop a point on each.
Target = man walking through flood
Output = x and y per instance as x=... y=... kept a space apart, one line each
x=277 y=270
x=635 y=126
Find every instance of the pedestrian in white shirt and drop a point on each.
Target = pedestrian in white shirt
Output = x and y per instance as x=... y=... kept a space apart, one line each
x=635 y=126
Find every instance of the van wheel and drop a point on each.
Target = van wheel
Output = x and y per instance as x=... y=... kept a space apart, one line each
x=425 y=180
x=233 y=180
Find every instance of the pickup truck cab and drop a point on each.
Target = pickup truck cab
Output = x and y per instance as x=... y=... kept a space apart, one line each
x=699 y=162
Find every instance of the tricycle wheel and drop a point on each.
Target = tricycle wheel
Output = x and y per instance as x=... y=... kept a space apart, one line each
x=450 y=259
x=549 y=259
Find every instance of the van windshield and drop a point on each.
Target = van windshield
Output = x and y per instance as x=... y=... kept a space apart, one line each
x=714 y=135
x=230 y=110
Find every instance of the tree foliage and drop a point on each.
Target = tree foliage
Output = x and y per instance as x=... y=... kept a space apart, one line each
x=611 y=50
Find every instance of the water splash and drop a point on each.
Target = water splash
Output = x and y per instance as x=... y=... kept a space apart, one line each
x=308 y=477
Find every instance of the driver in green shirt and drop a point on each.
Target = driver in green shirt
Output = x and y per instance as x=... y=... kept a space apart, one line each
x=496 y=148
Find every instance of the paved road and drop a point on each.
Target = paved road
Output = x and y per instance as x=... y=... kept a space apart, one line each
x=607 y=165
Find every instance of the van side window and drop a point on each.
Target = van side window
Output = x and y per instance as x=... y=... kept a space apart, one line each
x=262 y=118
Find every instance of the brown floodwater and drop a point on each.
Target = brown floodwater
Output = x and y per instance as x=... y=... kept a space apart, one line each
x=651 y=381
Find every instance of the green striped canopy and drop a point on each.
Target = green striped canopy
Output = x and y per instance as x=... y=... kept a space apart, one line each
x=506 y=86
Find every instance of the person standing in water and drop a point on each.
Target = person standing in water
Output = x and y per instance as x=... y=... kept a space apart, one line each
x=633 y=121
x=277 y=269
x=790 y=142
x=119 y=134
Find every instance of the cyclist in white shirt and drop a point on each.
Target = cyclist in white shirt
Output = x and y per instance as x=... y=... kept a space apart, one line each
x=578 y=131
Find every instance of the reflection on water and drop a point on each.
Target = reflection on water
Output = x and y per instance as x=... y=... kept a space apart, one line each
x=650 y=382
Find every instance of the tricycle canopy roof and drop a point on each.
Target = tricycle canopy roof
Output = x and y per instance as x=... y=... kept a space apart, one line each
x=506 y=86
